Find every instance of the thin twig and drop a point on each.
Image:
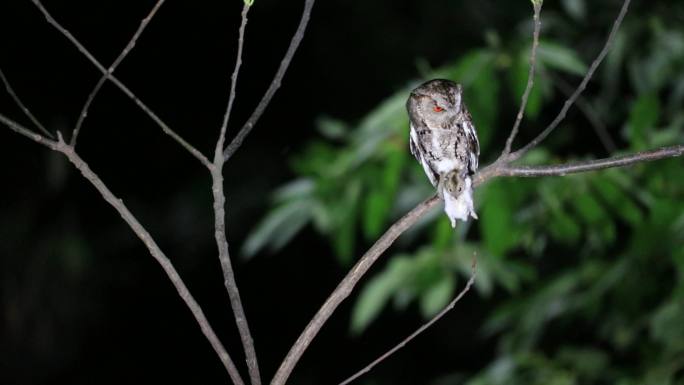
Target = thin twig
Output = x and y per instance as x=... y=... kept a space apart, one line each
x=131 y=43
x=167 y=130
x=568 y=103
x=421 y=329
x=591 y=115
x=275 y=84
x=537 y=5
x=61 y=146
x=592 y=165
x=234 y=78
x=22 y=106
x=19 y=129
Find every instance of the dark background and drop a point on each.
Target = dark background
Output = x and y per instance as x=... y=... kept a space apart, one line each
x=81 y=300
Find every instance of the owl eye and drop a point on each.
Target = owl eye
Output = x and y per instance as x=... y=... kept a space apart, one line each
x=437 y=108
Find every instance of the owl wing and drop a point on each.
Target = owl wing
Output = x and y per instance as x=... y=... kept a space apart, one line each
x=472 y=143
x=417 y=149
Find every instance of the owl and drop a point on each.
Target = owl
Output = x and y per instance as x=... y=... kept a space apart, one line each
x=444 y=141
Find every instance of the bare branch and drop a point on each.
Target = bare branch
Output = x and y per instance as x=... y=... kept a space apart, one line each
x=84 y=111
x=275 y=84
x=537 y=5
x=592 y=165
x=227 y=267
x=568 y=103
x=345 y=287
x=167 y=130
x=23 y=107
x=19 y=129
x=496 y=169
x=233 y=78
x=421 y=329
x=220 y=232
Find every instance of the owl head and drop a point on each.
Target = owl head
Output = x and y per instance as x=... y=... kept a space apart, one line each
x=435 y=103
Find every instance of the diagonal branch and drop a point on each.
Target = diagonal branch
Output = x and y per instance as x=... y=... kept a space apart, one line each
x=418 y=331
x=537 y=5
x=23 y=107
x=275 y=84
x=21 y=130
x=233 y=78
x=91 y=97
x=568 y=103
x=497 y=169
x=67 y=150
x=167 y=130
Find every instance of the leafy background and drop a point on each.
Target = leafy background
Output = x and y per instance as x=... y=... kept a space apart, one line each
x=580 y=278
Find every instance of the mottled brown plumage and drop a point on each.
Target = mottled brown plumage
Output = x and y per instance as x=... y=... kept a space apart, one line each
x=443 y=139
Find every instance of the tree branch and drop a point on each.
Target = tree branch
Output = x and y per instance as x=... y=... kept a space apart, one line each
x=537 y=5
x=568 y=103
x=234 y=77
x=84 y=111
x=167 y=130
x=275 y=84
x=227 y=268
x=496 y=169
x=23 y=107
x=345 y=287
x=421 y=329
x=67 y=150
x=220 y=232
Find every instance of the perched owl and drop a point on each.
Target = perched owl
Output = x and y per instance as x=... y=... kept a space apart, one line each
x=444 y=141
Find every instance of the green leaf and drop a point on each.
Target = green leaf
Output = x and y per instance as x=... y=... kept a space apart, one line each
x=496 y=219
x=331 y=128
x=437 y=296
x=642 y=120
x=378 y=291
x=518 y=77
x=561 y=58
x=278 y=227
x=249 y=2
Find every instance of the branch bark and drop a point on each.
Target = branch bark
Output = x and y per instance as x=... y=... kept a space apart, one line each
x=81 y=48
x=583 y=84
x=131 y=43
x=67 y=150
x=275 y=84
x=418 y=331
x=22 y=106
x=536 y=19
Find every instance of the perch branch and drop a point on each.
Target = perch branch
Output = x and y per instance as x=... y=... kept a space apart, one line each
x=497 y=169
x=131 y=43
x=275 y=84
x=421 y=329
x=537 y=5
x=21 y=105
x=568 y=103
x=165 y=128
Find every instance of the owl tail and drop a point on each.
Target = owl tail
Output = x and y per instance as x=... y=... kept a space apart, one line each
x=459 y=206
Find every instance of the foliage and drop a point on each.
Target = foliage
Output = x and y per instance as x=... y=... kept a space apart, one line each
x=593 y=264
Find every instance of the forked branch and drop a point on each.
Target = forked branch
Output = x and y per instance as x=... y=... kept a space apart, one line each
x=275 y=84
x=131 y=43
x=81 y=48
